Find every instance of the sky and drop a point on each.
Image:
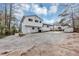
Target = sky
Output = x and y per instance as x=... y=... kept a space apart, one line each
x=47 y=11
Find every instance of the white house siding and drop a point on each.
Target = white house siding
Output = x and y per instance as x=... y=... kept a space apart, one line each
x=33 y=23
x=28 y=29
x=45 y=28
x=51 y=27
x=27 y=26
x=57 y=27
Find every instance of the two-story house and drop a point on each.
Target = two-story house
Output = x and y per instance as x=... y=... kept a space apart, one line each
x=30 y=24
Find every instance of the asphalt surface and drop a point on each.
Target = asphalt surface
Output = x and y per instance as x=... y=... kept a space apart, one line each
x=45 y=40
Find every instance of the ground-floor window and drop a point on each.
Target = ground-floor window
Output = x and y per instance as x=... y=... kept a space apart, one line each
x=33 y=28
x=38 y=28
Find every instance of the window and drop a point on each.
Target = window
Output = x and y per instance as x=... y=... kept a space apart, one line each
x=40 y=21
x=33 y=28
x=30 y=19
x=47 y=25
x=38 y=28
x=36 y=20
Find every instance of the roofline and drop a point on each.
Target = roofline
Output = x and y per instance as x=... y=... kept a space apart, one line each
x=47 y=24
x=32 y=26
x=34 y=15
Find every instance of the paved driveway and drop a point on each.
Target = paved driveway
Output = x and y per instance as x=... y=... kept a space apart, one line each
x=30 y=40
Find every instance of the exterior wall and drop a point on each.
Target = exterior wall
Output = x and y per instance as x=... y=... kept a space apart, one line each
x=45 y=28
x=27 y=29
x=51 y=27
x=27 y=26
x=57 y=27
x=32 y=23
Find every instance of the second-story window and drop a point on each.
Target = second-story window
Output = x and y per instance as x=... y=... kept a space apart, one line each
x=40 y=21
x=30 y=19
x=36 y=20
x=33 y=28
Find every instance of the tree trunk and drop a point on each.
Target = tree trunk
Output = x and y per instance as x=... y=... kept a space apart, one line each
x=10 y=16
